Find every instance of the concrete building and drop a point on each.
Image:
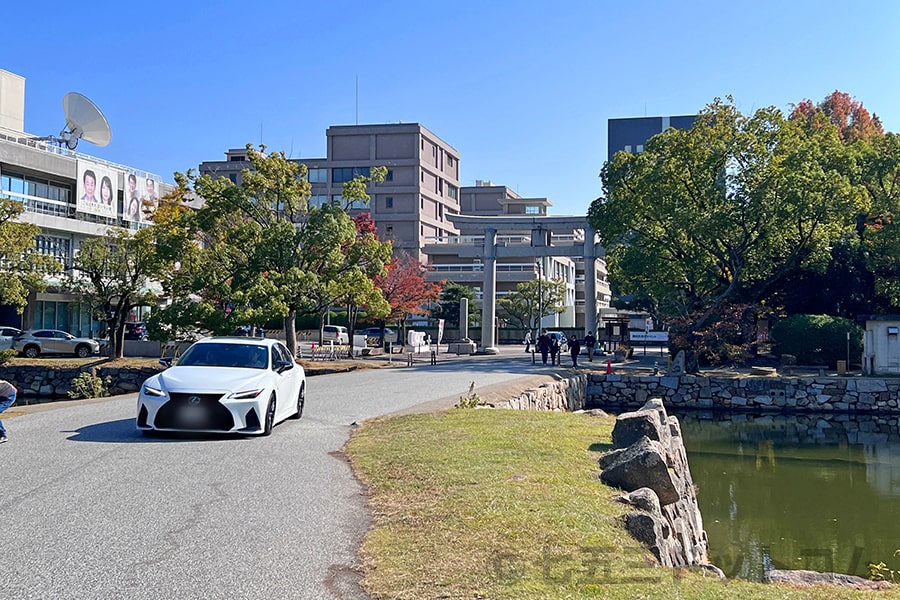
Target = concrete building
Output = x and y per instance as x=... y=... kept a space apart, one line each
x=412 y=204
x=54 y=185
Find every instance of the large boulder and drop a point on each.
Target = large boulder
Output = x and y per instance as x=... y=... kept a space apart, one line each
x=642 y=464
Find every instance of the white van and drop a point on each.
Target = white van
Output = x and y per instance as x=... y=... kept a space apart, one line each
x=336 y=334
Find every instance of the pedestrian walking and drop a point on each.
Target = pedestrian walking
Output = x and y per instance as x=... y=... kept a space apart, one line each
x=589 y=342
x=554 y=351
x=544 y=344
x=574 y=350
x=527 y=341
x=7 y=397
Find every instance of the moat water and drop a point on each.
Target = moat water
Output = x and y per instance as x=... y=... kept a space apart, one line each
x=818 y=492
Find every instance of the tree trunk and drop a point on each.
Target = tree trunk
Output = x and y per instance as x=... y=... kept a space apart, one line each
x=290 y=331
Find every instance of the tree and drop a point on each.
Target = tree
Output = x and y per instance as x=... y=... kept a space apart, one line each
x=531 y=302
x=451 y=294
x=839 y=109
x=112 y=273
x=406 y=289
x=723 y=211
x=22 y=268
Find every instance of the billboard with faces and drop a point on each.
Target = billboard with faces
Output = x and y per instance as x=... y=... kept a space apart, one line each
x=140 y=198
x=96 y=189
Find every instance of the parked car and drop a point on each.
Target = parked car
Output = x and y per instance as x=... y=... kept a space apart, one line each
x=336 y=334
x=375 y=332
x=225 y=384
x=136 y=331
x=34 y=342
x=7 y=334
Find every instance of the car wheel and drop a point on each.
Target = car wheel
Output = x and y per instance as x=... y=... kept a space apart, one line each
x=270 y=417
x=82 y=351
x=32 y=352
x=301 y=400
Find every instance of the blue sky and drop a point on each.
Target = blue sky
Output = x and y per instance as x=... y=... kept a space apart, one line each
x=522 y=90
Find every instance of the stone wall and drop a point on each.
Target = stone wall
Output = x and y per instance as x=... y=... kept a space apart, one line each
x=649 y=462
x=812 y=394
x=53 y=383
x=565 y=394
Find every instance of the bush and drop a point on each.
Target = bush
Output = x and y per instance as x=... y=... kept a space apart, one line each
x=87 y=385
x=6 y=355
x=817 y=339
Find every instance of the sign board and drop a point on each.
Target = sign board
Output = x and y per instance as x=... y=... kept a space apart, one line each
x=649 y=336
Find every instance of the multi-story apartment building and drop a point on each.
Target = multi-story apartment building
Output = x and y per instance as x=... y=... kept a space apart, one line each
x=412 y=204
x=71 y=196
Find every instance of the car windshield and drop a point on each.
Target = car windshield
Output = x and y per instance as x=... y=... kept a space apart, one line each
x=245 y=356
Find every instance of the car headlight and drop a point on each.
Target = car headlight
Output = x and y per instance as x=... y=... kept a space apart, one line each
x=152 y=391
x=245 y=395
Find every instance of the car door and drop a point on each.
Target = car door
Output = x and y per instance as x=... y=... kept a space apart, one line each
x=287 y=382
x=62 y=343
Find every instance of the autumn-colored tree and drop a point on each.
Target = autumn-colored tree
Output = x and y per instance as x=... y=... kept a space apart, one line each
x=406 y=289
x=838 y=108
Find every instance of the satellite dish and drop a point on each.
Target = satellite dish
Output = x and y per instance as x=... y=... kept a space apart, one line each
x=84 y=121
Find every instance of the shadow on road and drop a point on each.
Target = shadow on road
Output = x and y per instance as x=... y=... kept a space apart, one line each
x=124 y=431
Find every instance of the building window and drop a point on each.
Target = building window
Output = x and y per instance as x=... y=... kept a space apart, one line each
x=238 y=158
x=389 y=202
x=388 y=230
x=57 y=247
x=439 y=188
x=453 y=191
x=342 y=174
x=627 y=147
x=532 y=210
x=389 y=176
x=233 y=178
x=317 y=201
x=317 y=175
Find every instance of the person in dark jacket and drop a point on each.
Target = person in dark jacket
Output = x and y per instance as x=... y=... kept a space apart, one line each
x=544 y=344
x=589 y=342
x=554 y=351
x=574 y=350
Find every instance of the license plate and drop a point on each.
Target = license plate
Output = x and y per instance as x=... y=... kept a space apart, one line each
x=192 y=415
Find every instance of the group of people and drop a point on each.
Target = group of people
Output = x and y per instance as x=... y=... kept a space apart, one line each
x=549 y=346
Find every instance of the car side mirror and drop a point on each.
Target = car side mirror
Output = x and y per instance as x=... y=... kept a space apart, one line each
x=284 y=365
x=166 y=361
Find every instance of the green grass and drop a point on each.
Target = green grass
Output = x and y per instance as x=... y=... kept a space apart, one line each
x=505 y=504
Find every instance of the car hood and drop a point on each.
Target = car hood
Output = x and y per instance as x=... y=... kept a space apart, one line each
x=210 y=379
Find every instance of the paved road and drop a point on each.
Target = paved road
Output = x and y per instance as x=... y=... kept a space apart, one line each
x=90 y=509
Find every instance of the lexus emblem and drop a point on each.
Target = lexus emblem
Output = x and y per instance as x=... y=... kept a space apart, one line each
x=194 y=399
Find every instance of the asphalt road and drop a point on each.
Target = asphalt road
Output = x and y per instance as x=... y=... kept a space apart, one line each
x=90 y=509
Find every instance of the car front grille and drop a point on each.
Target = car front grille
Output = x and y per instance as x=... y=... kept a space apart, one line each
x=194 y=412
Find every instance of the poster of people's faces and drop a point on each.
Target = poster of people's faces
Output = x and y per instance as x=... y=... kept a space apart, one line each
x=97 y=190
x=140 y=197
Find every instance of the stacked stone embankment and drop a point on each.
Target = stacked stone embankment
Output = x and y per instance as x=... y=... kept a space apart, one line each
x=802 y=394
x=52 y=383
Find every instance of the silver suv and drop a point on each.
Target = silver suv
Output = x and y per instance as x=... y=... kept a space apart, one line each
x=34 y=342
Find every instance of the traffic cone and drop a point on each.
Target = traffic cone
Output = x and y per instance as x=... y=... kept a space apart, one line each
x=608 y=367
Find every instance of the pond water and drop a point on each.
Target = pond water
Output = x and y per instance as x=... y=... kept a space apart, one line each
x=818 y=492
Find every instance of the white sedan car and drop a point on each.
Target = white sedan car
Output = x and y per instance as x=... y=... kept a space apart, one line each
x=224 y=384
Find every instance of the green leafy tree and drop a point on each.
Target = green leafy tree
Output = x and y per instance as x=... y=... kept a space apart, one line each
x=22 y=268
x=817 y=339
x=112 y=274
x=532 y=301
x=723 y=211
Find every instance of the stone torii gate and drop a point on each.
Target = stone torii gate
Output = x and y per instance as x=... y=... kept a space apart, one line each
x=541 y=228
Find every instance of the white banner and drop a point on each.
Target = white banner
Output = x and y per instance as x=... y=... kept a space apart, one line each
x=649 y=336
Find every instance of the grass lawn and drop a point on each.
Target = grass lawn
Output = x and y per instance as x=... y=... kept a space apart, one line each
x=504 y=504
